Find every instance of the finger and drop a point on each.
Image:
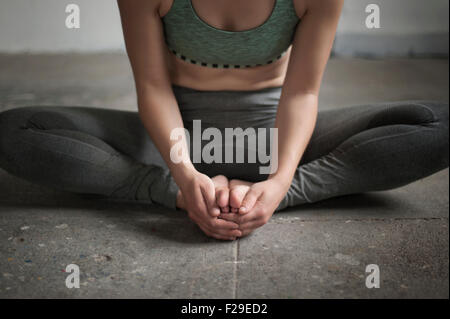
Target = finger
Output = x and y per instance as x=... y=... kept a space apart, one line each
x=250 y=216
x=235 y=218
x=225 y=228
x=220 y=227
x=199 y=202
x=216 y=236
x=225 y=209
x=226 y=233
x=249 y=202
x=209 y=195
x=224 y=224
x=240 y=219
x=251 y=225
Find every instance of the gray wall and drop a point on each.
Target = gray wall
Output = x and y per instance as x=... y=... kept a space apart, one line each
x=408 y=27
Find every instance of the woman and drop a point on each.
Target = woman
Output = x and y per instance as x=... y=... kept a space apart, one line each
x=229 y=63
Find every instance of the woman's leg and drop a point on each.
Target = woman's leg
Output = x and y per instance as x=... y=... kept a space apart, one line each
x=84 y=150
x=371 y=148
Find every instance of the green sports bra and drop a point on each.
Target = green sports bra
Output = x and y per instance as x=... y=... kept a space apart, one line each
x=193 y=40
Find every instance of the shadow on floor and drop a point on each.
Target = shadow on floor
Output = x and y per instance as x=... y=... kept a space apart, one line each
x=174 y=225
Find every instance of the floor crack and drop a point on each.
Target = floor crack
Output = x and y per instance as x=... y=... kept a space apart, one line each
x=235 y=269
x=299 y=220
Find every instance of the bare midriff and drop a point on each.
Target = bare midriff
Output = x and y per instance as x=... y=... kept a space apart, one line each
x=203 y=78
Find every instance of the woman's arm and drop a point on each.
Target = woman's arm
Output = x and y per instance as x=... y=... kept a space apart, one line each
x=157 y=105
x=159 y=111
x=297 y=110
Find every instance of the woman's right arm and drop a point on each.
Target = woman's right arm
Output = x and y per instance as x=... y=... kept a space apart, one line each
x=158 y=108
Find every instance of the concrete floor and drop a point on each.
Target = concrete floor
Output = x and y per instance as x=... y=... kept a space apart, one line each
x=314 y=251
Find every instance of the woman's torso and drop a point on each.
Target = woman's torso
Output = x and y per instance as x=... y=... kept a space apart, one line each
x=230 y=16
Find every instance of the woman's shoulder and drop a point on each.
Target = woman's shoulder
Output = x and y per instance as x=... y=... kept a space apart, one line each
x=146 y=5
x=164 y=6
x=300 y=7
x=306 y=5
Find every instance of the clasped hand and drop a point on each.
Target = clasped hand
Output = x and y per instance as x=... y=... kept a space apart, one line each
x=226 y=209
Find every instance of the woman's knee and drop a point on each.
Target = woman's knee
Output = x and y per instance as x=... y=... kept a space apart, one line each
x=439 y=110
x=12 y=127
x=10 y=122
x=14 y=119
x=440 y=127
x=433 y=115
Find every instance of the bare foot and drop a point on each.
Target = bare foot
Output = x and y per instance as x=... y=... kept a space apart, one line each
x=238 y=190
x=222 y=194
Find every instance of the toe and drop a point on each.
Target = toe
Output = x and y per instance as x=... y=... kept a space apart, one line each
x=237 y=195
x=222 y=198
x=220 y=181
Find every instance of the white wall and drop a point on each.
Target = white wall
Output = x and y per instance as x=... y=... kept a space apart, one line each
x=407 y=27
x=39 y=26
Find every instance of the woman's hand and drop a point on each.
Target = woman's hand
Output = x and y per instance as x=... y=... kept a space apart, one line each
x=258 y=204
x=198 y=197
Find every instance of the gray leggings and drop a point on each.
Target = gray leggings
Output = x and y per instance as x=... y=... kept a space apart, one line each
x=109 y=153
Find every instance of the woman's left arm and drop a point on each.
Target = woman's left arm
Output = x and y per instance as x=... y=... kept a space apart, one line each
x=297 y=110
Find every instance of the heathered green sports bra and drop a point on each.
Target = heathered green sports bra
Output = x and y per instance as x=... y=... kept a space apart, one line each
x=194 y=41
